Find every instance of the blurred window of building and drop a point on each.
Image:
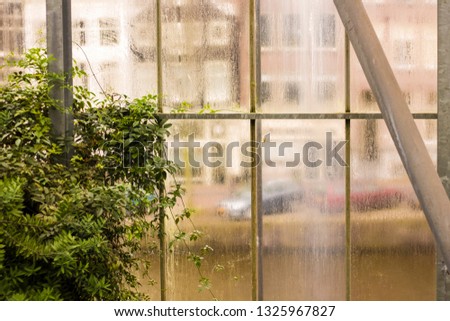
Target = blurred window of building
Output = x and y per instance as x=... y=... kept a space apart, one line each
x=266 y=91
x=367 y=97
x=292 y=34
x=326 y=31
x=266 y=30
x=109 y=31
x=292 y=92
x=403 y=49
x=326 y=90
x=79 y=32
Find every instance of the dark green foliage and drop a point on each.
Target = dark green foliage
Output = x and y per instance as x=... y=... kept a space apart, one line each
x=75 y=233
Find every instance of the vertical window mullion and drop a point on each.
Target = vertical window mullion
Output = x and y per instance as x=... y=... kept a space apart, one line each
x=348 y=245
x=258 y=171
x=161 y=187
x=256 y=194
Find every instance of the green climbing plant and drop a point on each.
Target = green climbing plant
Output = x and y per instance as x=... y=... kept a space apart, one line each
x=77 y=233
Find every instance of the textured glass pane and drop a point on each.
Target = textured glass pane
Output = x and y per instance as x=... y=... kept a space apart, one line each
x=393 y=249
x=216 y=188
x=204 y=44
x=114 y=42
x=304 y=229
x=22 y=26
x=408 y=33
x=302 y=56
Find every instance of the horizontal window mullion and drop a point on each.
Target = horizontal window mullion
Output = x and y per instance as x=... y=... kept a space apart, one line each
x=247 y=116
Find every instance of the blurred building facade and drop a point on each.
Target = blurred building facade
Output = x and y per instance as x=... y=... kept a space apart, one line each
x=205 y=61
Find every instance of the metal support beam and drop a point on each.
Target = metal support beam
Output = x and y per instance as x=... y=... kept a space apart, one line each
x=413 y=153
x=443 y=161
x=59 y=47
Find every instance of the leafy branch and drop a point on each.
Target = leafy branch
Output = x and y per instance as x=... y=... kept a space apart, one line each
x=76 y=233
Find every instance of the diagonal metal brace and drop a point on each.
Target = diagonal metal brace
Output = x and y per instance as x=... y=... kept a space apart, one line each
x=405 y=134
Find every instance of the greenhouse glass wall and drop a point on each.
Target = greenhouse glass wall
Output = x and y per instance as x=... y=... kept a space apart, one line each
x=334 y=214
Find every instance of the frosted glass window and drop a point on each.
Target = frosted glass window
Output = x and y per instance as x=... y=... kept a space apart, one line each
x=393 y=251
x=211 y=191
x=303 y=234
x=205 y=60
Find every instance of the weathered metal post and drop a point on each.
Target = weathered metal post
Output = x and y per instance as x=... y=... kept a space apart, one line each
x=59 y=47
x=443 y=162
x=399 y=120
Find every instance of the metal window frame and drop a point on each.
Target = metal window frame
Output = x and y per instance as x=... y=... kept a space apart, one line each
x=443 y=135
x=61 y=49
x=255 y=118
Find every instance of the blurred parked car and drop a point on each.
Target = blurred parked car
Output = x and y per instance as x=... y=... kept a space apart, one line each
x=364 y=196
x=278 y=197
